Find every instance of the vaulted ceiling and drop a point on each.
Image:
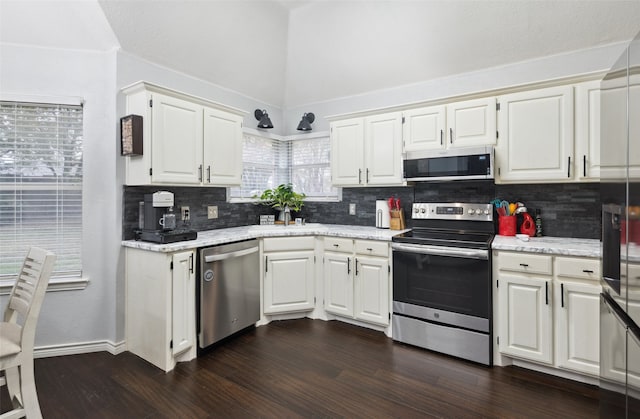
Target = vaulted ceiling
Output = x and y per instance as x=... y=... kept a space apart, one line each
x=294 y=52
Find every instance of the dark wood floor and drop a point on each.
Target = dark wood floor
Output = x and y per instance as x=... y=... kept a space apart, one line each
x=304 y=368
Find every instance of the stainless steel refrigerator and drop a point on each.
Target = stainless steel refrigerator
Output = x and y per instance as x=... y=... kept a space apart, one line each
x=620 y=194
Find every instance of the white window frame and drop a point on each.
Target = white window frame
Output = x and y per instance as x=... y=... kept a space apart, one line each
x=59 y=283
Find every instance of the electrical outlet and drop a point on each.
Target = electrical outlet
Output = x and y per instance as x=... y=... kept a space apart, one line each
x=352 y=209
x=212 y=212
x=186 y=214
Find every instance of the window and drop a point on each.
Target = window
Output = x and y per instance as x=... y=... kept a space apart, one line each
x=40 y=185
x=269 y=162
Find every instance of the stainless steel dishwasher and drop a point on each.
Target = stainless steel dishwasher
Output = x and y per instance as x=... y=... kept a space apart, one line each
x=229 y=290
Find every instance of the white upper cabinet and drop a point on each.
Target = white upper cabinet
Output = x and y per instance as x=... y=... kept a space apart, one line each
x=383 y=149
x=222 y=144
x=347 y=152
x=460 y=124
x=614 y=127
x=176 y=151
x=367 y=151
x=536 y=136
x=472 y=122
x=424 y=128
x=186 y=140
x=588 y=130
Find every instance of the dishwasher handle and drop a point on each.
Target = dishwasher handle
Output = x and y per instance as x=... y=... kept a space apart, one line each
x=225 y=256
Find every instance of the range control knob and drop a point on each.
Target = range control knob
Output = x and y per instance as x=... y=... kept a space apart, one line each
x=416 y=210
x=423 y=210
x=486 y=212
x=471 y=211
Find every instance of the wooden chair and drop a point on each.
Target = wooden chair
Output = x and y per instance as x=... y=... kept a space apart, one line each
x=17 y=333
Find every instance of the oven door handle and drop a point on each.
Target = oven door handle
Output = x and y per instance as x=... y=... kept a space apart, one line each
x=442 y=251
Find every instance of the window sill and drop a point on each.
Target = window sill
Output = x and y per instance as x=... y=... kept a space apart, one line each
x=55 y=284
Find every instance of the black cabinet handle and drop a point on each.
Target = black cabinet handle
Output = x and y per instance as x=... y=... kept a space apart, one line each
x=209 y=174
x=336 y=245
x=562 y=295
x=524 y=265
x=200 y=173
x=569 y=167
x=367 y=175
x=441 y=136
x=546 y=293
x=584 y=165
x=587 y=271
x=356 y=266
x=359 y=176
x=451 y=135
x=348 y=265
x=266 y=263
x=191 y=263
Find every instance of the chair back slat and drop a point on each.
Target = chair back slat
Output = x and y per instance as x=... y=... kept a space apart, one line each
x=28 y=292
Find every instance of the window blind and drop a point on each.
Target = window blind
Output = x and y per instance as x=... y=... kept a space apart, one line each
x=40 y=185
x=268 y=163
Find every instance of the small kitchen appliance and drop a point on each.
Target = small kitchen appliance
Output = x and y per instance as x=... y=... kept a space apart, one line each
x=382 y=214
x=442 y=280
x=159 y=223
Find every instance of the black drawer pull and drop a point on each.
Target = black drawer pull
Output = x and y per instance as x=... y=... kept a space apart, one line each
x=587 y=271
x=546 y=293
x=336 y=245
x=562 y=295
x=524 y=265
x=369 y=249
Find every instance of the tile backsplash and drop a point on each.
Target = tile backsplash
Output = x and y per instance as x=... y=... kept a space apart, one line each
x=567 y=209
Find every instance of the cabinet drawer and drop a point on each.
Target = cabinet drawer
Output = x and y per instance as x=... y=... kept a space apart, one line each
x=525 y=262
x=634 y=275
x=578 y=268
x=372 y=248
x=337 y=244
x=277 y=244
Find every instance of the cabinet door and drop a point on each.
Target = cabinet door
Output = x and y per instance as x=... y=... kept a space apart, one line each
x=184 y=300
x=423 y=129
x=588 y=130
x=347 y=152
x=472 y=122
x=577 y=316
x=614 y=129
x=372 y=290
x=222 y=148
x=536 y=135
x=338 y=283
x=525 y=318
x=177 y=141
x=383 y=149
x=289 y=282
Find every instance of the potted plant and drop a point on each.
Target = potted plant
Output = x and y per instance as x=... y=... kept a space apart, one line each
x=282 y=198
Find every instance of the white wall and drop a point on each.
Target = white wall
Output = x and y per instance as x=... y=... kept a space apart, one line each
x=71 y=317
x=582 y=62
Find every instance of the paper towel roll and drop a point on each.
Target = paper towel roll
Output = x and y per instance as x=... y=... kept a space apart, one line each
x=382 y=214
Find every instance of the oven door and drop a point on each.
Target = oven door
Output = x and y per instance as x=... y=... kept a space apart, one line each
x=449 y=285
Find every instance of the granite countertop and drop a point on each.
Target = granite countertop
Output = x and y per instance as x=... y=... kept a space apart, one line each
x=550 y=245
x=228 y=235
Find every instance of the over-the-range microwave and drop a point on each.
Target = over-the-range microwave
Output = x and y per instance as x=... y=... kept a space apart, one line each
x=468 y=163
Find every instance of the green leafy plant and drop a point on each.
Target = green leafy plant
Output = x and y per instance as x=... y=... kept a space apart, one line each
x=282 y=196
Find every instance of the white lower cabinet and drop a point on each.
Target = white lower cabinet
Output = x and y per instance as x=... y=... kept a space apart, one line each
x=549 y=309
x=525 y=322
x=160 y=306
x=356 y=279
x=289 y=265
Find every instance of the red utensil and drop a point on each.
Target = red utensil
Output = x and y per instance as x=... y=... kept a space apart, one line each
x=398 y=204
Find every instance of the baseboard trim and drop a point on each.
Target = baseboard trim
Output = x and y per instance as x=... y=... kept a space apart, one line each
x=79 y=348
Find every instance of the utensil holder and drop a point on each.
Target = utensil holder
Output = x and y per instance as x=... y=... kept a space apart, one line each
x=507 y=225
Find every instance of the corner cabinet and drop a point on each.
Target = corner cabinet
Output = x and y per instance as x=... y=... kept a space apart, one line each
x=160 y=306
x=288 y=274
x=536 y=136
x=356 y=277
x=367 y=151
x=186 y=140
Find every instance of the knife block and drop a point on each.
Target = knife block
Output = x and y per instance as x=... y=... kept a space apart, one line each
x=396 y=222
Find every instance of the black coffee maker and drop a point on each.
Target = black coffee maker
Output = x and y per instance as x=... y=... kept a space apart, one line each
x=159 y=221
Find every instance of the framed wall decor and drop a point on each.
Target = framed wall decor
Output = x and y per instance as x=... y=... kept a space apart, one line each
x=131 y=135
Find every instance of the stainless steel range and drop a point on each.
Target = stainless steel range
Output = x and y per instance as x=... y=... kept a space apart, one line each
x=442 y=280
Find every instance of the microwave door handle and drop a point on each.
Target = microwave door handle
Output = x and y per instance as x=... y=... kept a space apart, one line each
x=442 y=251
